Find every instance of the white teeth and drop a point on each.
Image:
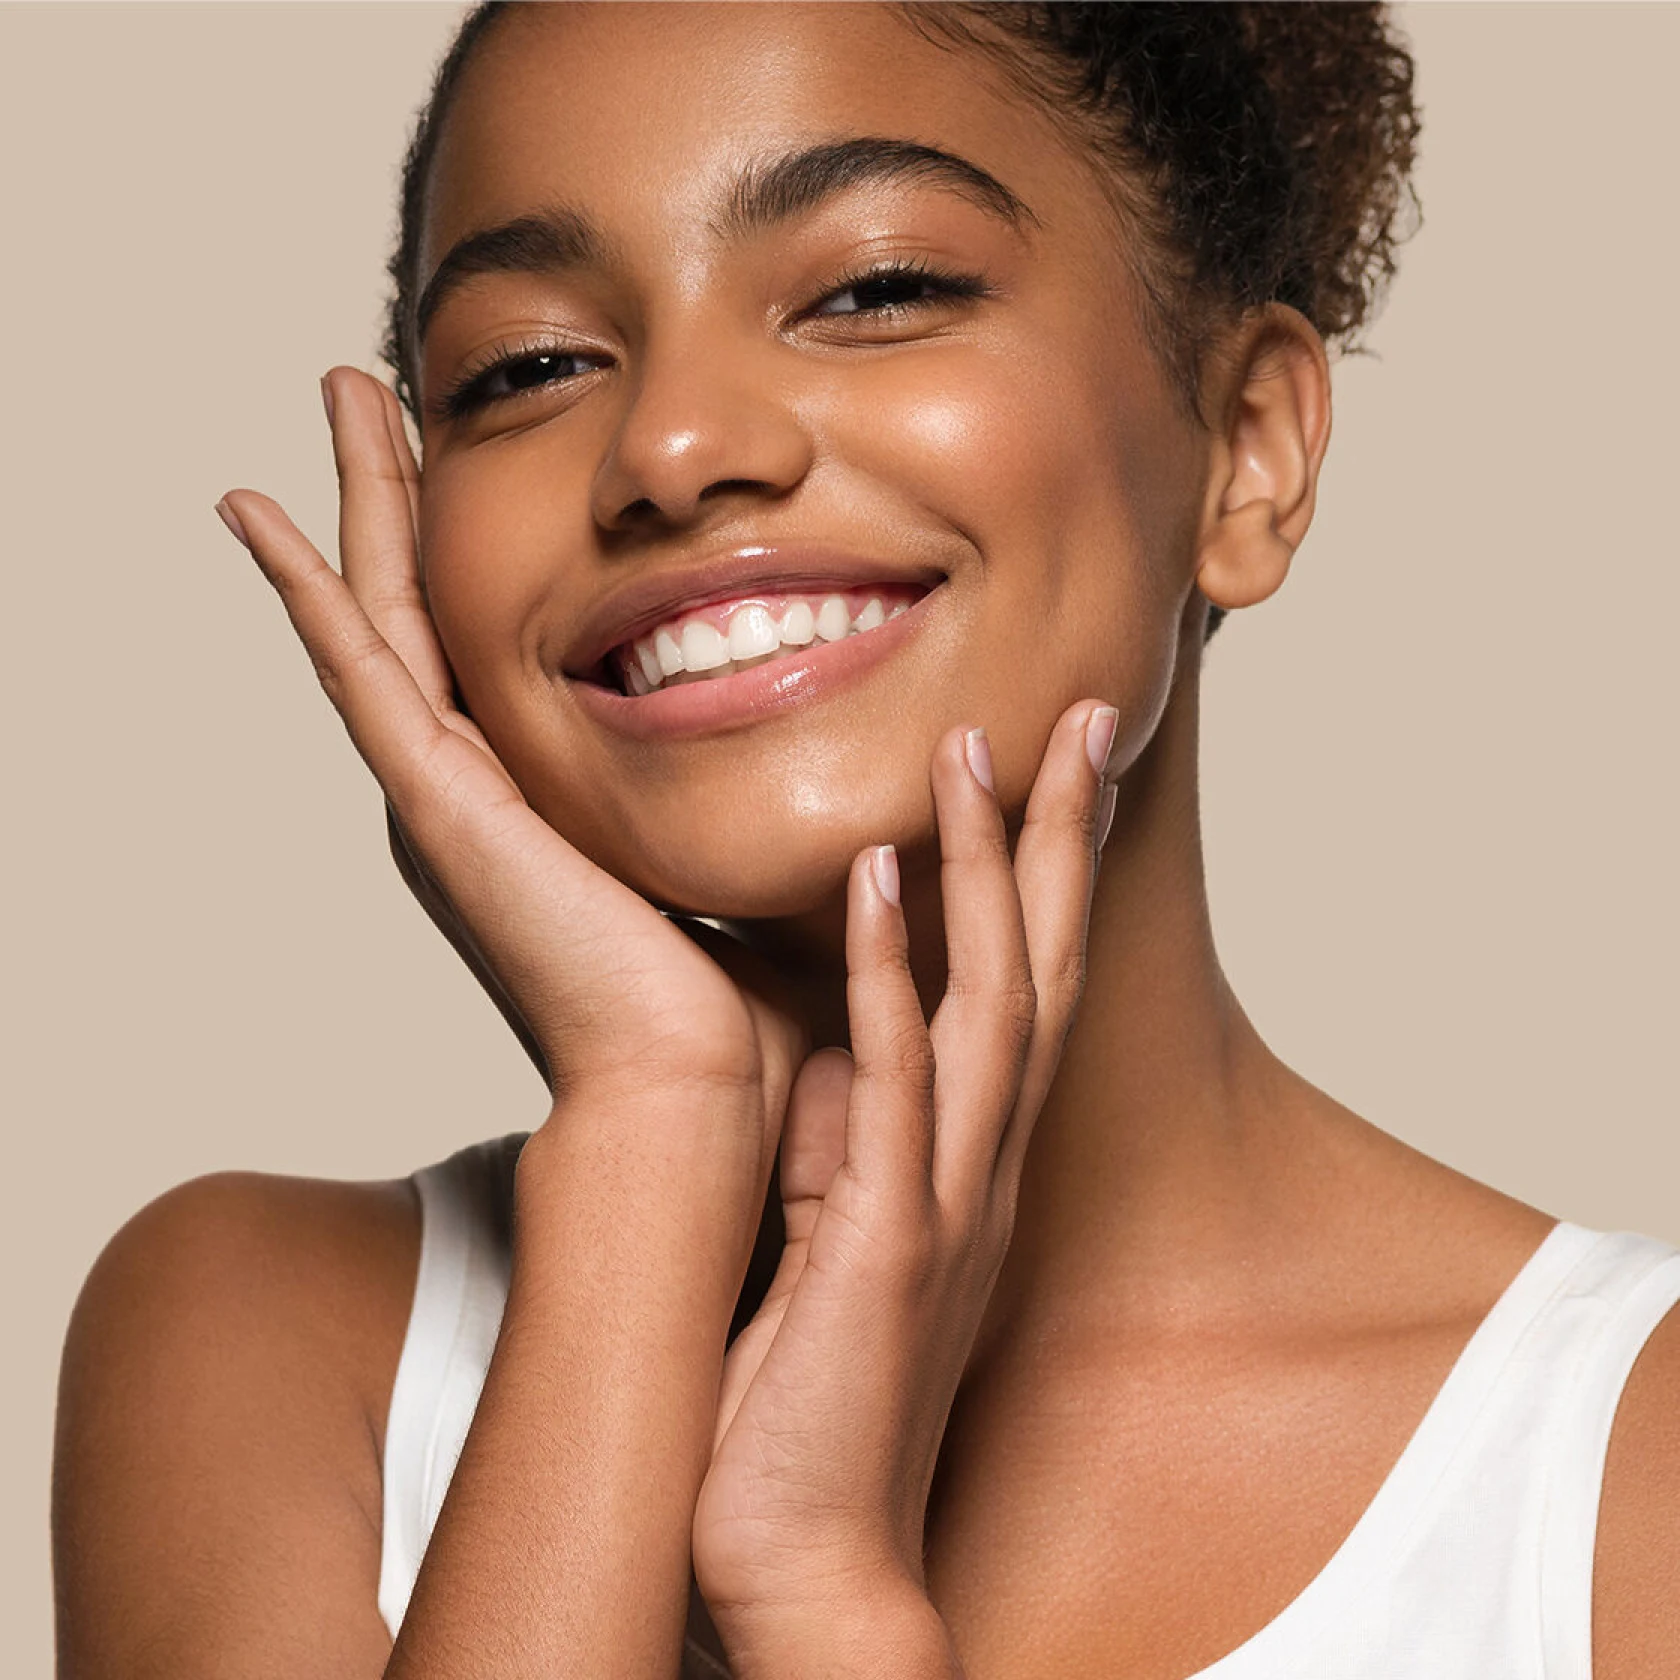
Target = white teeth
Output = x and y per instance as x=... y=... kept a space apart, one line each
x=648 y=660
x=752 y=632
x=833 y=621
x=697 y=650
x=668 y=653
x=799 y=625
x=703 y=646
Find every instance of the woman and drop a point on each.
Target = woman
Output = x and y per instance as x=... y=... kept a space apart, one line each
x=838 y=442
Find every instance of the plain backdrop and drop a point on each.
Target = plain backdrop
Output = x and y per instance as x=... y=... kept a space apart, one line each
x=1439 y=767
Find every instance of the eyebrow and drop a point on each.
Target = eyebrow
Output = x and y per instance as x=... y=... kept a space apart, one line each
x=764 y=195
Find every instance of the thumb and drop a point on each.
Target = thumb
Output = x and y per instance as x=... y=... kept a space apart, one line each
x=814 y=1136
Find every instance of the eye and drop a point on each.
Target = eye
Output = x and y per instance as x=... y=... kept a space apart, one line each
x=510 y=373
x=893 y=289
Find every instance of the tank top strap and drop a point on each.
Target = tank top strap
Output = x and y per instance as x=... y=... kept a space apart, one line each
x=1621 y=1292
x=459 y=1292
x=1474 y=1558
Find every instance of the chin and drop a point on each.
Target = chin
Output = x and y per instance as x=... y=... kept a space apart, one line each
x=782 y=851
x=753 y=882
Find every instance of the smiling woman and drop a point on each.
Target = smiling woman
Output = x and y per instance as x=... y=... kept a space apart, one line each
x=779 y=644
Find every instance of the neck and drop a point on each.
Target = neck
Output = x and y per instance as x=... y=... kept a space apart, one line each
x=1145 y=1160
x=1143 y=1147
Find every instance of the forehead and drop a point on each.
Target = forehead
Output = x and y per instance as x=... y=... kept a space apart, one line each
x=645 y=113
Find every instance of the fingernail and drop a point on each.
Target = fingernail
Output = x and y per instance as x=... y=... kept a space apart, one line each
x=1105 y=812
x=231 y=520
x=1099 y=736
x=979 y=753
x=885 y=864
x=326 y=397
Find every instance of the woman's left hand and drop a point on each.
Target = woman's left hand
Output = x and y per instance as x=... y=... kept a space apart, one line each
x=899 y=1176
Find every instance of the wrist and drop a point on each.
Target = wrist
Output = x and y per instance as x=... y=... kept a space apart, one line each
x=644 y=1197
x=889 y=1630
x=705 y=1138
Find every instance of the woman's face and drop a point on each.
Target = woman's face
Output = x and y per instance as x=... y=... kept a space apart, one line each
x=710 y=411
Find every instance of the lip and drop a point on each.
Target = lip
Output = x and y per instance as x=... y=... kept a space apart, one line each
x=785 y=567
x=747 y=697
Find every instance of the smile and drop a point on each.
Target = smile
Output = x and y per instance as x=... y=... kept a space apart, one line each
x=871 y=624
x=728 y=637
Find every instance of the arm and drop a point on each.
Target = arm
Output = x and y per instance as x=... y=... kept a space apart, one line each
x=216 y=1490
x=218 y=1515
x=563 y=1545
x=217 y=1486
x=1636 y=1566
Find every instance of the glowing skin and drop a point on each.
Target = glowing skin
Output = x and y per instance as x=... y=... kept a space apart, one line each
x=1226 y=1301
x=1022 y=444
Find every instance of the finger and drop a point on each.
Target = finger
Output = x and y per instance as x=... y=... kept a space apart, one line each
x=1055 y=868
x=390 y=720
x=986 y=1017
x=889 y=1120
x=378 y=509
x=814 y=1137
x=400 y=446
x=510 y=875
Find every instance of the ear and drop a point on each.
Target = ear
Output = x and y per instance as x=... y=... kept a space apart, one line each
x=1271 y=430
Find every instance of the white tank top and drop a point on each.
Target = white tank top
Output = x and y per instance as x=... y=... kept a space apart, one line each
x=1473 y=1562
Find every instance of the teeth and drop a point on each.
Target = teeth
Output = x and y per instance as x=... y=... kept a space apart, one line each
x=697 y=651
x=752 y=632
x=833 y=621
x=668 y=653
x=799 y=625
x=703 y=648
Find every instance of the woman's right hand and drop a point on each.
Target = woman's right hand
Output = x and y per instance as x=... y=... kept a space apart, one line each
x=606 y=993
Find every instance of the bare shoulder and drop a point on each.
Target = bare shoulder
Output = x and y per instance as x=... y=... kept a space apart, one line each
x=1636 y=1570
x=216 y=1485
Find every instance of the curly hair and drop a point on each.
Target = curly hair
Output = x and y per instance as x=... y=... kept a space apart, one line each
x=1258 y=152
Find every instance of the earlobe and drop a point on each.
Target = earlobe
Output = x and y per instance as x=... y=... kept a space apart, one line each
x=1245 y=557
x=1274 y=428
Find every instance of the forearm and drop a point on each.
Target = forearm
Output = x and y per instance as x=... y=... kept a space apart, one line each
x=564 y=1544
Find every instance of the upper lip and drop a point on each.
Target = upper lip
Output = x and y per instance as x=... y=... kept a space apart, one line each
x=791 y=568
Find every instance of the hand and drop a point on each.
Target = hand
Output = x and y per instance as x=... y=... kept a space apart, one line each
x=528 y=912
x=899 y=1177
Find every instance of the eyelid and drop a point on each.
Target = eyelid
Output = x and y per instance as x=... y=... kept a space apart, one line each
x=456 y=400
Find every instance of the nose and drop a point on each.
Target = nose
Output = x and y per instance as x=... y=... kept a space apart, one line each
x=703 y=420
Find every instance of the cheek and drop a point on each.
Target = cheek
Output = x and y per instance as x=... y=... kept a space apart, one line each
x=1075 y=480
x=492 y=535
x=499 y=533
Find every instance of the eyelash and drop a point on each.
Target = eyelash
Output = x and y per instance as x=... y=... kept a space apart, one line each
x=471 y=391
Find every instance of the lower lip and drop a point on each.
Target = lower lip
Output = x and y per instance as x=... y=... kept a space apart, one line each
x=746 y=697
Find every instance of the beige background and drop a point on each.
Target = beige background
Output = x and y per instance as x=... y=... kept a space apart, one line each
x=1441 y=809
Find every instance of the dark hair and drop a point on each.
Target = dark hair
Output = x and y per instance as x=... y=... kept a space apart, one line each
x=1262 y=152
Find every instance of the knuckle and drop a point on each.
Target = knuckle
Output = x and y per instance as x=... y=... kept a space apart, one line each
x=327 y=674
x=1077 y=821
x=991 y=847
x=1017 y=1007
x=1060 y=990
x=905 y=1056
x=915 y=1254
